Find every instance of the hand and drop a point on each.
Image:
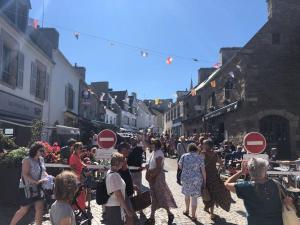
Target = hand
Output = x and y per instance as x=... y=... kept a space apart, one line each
x=245 y=167
x=42 y=181
x=129 y=213
x=288 y=201
x=136 y=188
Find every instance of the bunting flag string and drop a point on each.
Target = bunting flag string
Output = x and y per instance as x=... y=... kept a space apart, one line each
x=217 y=65
x=169 y=60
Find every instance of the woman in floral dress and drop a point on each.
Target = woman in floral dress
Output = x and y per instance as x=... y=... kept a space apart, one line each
x=219 y=195
x=193 y=178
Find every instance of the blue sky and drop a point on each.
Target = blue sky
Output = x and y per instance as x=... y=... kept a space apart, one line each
x=189 y=28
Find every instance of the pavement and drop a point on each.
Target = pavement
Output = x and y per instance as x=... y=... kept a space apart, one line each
x=236 y=216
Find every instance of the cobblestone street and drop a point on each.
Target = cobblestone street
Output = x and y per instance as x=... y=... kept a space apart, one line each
x=235 y=216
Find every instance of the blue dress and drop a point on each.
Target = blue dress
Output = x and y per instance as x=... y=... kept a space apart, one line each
x=191 y=177
x=262 y=202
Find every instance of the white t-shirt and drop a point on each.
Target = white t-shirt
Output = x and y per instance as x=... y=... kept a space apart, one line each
x=114 y=182
x=152 y=161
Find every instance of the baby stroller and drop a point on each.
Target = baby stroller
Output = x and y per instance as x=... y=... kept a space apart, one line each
x=83 y=216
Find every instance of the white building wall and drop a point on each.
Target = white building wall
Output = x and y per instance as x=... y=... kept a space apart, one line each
x=31 y=53
x=110 y=117
x=63 y=74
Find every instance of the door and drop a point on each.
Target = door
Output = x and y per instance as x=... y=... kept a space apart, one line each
x=276 y=131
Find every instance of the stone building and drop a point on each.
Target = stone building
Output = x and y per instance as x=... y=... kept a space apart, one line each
x=256 y=87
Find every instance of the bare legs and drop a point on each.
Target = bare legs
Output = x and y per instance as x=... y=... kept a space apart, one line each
x=39 y=207
x=193 y=205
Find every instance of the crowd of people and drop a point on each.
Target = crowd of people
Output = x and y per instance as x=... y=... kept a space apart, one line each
x=199 y=161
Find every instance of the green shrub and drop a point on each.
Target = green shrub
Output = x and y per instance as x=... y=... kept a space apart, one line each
x=14 y=157
x=6 y=142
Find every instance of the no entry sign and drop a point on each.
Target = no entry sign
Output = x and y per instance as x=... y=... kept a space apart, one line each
x=255 y=142
x=107 y=139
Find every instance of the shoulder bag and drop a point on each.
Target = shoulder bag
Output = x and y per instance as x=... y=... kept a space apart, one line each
x=289 y=215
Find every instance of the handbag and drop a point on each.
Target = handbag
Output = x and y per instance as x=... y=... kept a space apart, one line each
x=205 y=195
x=289 y=215
x=141 y=201
x=179 y=172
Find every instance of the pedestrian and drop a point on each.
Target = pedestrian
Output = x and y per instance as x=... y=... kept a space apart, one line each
x=161 y=195
x=135 y=159
x=66 y=151
x=77 y=165
x=181 y=150
x=260 y=195
x=218 y=194
x=116 y=208
x=61 y=212
x=33 y=169
x=125 y=174
x=193 y=178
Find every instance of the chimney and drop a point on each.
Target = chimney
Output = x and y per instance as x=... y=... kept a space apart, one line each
x=81 y=70
x=203 y=74
x=100 y=87
x=279 y=9
x=227 y=53
x=46 y=38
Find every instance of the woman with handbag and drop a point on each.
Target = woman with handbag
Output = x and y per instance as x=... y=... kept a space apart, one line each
x=193 y=178
x=215 y=193
x=31 y=193
x=261 y=195
x=161 y=195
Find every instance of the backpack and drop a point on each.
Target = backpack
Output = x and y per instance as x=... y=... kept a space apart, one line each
x=101 y=192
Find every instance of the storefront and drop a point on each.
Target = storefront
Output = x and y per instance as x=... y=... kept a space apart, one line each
x=16 y=116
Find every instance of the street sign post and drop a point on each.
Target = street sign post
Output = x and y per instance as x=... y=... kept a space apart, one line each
x=107 y=140
x=255 y=142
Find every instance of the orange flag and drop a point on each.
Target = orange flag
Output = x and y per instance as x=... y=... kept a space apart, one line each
x=213 y=84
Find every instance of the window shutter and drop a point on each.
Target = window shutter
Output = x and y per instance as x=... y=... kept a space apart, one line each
x=47 y=86
x=1 y=57
x=33 y=78
x=43 y=86
x=66 y=95
x=20 y=74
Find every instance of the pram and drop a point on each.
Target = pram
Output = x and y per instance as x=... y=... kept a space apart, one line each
x=83 y=216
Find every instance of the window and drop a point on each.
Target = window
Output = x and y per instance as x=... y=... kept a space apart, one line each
x=12 y=61
x=199 y=99
x=275 y=38
x=69 y=97
x=39 y=82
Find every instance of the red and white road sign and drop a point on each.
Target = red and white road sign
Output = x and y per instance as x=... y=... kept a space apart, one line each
x=107 y=139
x=255 y=142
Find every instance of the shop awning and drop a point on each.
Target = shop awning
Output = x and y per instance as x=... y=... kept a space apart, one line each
x=67 y=130
x=16 y=121
x=228 y=108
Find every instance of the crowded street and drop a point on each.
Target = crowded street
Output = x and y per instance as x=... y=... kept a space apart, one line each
x=135 y=112
x=236 y=216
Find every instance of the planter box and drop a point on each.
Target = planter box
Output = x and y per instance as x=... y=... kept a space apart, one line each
x=9 y=188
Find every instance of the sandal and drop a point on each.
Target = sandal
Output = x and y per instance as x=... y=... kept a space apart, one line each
x=186 y=213
x=150 y=221
x=194 y=219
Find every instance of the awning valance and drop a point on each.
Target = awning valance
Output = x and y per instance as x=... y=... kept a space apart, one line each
x=228 y=108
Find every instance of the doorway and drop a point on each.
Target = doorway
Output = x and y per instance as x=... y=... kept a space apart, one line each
x=276 y=131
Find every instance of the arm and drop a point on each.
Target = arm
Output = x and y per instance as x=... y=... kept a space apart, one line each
x=123 y=204
x=230 y=183
x=66 y=221
x=203 y=171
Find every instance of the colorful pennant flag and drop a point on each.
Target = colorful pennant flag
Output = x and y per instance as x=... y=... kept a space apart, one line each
x=144 y=54
x=181 y=103
x=76 y=35
x=239 y=67
x=213 y=84
x=231 y=74
x=217 y=65
x=169 y=60
x=157 y=101
x=33 y=23
x=169 y=105
x=193 y=92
